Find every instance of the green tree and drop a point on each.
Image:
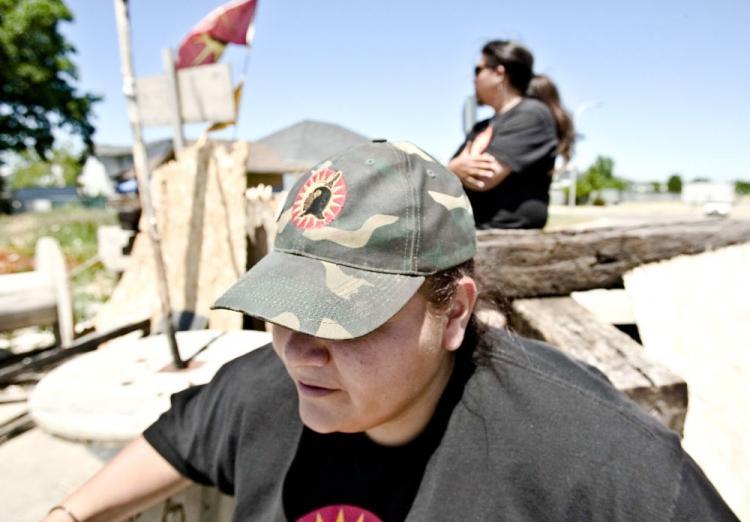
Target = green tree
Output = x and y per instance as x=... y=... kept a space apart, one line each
x=600 y=175
x=31 y=170
x=742 y=187
x=37 y=77
x=674 y=184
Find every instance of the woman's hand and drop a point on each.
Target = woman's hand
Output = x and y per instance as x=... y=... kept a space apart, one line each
x=481 y=172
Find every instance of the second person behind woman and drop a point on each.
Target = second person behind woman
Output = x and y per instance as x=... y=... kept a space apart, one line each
x=506 y=161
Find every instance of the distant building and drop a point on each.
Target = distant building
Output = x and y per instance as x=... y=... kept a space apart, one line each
x=41 y=199
x=645 y=192
x=274 y=159
x=305 y=144
x=115 y=164
x=717 y=197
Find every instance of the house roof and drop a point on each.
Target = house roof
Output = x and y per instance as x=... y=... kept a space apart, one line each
x=296 y=148
x=307 y=143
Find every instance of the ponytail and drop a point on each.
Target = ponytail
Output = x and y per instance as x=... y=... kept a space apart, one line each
x=543 y=89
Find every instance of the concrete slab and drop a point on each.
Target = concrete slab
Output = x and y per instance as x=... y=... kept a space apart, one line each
x=39 y=470
x=114 y=393
x=693 y=315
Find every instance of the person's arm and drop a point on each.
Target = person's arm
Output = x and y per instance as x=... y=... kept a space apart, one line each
x=135 y=479
x=479 y=173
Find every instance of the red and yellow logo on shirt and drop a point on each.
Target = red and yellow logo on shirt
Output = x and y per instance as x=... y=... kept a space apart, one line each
x=341 y=513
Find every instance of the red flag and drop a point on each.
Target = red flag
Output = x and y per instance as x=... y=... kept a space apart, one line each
x=230 y=23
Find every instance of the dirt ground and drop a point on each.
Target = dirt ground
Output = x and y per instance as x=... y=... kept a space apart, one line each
x=562 y=216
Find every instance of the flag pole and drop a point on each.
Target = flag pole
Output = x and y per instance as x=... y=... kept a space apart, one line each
x=140 y=163
x=243 y=77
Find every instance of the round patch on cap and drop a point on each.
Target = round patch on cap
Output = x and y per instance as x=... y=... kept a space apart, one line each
x=320 y=199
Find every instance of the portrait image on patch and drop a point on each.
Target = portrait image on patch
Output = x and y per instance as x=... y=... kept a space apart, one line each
x=320 y=199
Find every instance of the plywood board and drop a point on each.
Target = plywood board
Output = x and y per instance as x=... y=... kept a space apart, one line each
x=206 y=94
x=200 y=211
x=693 y=315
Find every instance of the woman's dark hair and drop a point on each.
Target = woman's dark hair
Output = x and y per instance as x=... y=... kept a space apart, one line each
x=544 y=89
x=515 y=58
x=439 y=289
x=519 y=67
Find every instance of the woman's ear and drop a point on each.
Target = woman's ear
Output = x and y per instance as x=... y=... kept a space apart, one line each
x=500 y=71
x=459 y=313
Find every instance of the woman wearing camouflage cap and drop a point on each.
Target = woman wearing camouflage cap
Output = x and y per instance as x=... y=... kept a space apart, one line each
x=382 y=398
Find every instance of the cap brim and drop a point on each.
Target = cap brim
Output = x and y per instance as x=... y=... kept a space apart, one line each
x=317 y=297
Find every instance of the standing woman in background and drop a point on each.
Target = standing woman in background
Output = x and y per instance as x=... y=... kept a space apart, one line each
x=506 y=162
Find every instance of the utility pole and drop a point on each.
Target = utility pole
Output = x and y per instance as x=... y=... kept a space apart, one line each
x=140 y=160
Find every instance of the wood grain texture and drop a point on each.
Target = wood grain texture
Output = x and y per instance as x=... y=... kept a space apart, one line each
x=200 y=210
x=525 y=263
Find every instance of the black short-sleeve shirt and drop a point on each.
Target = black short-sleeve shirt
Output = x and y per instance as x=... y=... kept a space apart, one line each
x=525 y=139
x=531 y=435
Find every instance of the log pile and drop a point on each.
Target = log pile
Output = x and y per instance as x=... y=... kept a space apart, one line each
x=538 y=270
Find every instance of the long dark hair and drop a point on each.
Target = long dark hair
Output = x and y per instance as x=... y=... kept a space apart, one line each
x=518 y=63
x=544 y=89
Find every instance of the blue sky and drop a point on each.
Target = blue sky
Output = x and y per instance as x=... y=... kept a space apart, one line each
x=671 y=78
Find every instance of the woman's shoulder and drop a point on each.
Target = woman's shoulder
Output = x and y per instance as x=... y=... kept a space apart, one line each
x=534 y=106
x=528 y=114
x=551 y=383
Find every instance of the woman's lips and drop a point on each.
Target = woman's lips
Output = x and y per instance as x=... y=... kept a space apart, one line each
x=310 y=390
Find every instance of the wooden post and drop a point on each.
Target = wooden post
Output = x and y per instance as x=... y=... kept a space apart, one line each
x=174 y=87
x=142 y=174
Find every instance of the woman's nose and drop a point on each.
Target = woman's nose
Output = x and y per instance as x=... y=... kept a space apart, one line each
x=306 y=350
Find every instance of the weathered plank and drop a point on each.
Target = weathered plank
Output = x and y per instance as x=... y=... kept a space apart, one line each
x=200 y=210
x=43 y=358
x=565 y=324
x=26 y=298
x=522 y=263
x=40 y=297
x=49 y=259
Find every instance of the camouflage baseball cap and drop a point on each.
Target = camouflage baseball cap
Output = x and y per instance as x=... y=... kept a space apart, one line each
x=355 y=240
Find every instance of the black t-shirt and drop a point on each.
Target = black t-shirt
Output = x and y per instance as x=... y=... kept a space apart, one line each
x=525 y=139
x=534 y=436
x=351 y=473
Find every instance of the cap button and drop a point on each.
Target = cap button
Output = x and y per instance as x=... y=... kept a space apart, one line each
x=379 y=140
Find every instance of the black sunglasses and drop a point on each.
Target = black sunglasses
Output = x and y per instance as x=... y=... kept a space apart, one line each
x=478 y=69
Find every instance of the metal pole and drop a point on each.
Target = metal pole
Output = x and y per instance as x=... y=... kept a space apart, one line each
x=174 y=87
x=142 y=173
x=573 y=189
